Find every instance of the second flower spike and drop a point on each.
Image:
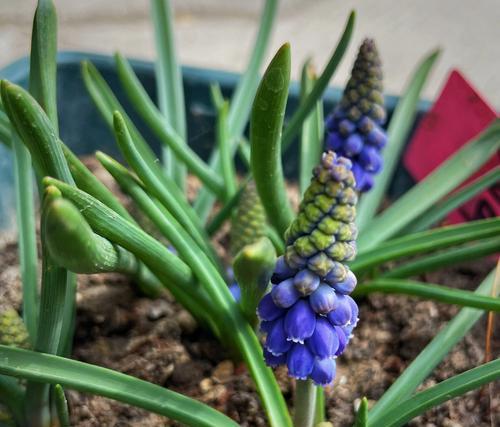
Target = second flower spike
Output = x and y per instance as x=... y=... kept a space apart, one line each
x=354 y=129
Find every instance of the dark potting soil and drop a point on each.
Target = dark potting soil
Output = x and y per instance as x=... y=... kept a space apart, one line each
x=158 y=341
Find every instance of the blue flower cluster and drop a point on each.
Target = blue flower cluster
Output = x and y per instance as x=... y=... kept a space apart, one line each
x=309 y=316
x=354 y=129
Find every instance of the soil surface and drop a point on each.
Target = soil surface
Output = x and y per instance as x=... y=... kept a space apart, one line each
x=158 y=341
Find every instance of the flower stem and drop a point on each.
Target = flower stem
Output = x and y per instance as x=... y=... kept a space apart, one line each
x=305 y=402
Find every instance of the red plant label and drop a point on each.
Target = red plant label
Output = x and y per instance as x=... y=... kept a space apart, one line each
x=458 y=115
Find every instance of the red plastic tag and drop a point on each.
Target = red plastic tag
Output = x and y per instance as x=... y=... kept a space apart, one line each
x=458 y=115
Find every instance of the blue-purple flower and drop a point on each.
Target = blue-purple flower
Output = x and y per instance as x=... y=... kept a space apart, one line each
x=308 y=316
x=354 y=128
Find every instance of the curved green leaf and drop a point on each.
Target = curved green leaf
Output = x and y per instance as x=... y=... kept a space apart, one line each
x=266 y=123
x=164 y=130
x=429 y=291
x=453 y=201
x=87 y=378
x=430 y=356
x=450 y=256
x=170 y=87
x=241 y=102
x=425 y=242
x=433 y=396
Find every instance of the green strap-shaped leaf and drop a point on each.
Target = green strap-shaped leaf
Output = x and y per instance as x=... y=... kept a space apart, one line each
x=397 y=134
x=83 y=377
x=425 y=242
x=43 y=64
x=164 y=130
x=432 y=189
x=430 y=356
x=429 y=291
x=241 y=101
x=36 y=131
x=25 y=218
x=311 y=142
x=453 y=201
x=170 y=87
x=305 y=108
x=107 y=105
x=266 y=124
x=246 y=88
x=434 y=396
x=88 y=182
x=152 y=180
x=445 y=258
x=224 y=142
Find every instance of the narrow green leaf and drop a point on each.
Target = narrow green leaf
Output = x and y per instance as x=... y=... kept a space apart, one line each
x=157 y=188
x=293 y=126
x=362 y=414
x=429 y=291
x=311 y=142
x=87 y=378
x=449 y=257
x=453 y=201
x=223 y=142
x=43 y=64
x=170 y=87
x=36 y=131
x=266 y=123
x=53 y=315
x=434 y=396
x=241 y=101
x=430 y=356
x=25 y=215
x=425 y=242
x=107 y=105
x=61 y=406
x=247 y=86
x=163 y=130
x=397 y=134
x=435 y=186
x=88 y=182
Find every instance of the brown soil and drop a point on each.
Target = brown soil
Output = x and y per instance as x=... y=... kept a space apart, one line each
x=158 y=341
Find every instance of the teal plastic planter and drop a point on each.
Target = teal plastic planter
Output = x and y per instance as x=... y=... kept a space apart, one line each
x=83 y=130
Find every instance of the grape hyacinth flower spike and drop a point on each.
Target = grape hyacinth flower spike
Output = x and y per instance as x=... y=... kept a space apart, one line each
x=354 y=128
x=309 y=316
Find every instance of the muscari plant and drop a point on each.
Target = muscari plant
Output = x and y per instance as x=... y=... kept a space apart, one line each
x=297 y=271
